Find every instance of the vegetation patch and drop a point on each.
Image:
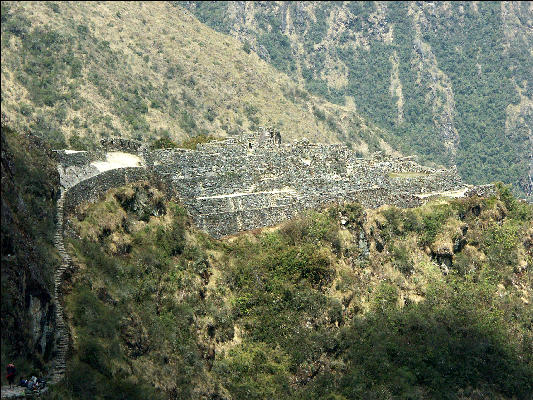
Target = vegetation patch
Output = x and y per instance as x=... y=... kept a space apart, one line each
x=193 y=142
x=292 y=312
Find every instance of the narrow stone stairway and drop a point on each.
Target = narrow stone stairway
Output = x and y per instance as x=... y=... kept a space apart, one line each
x=58 y=370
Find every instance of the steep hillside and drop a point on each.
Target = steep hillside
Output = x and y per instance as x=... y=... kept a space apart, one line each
x=451 y=80
x=344 y=303
x=29 y=190
x=72 y=72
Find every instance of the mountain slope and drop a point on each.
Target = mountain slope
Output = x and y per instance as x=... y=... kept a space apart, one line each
x=76 y=71
x=30 y=185
x=344 y=303
x=451 y=80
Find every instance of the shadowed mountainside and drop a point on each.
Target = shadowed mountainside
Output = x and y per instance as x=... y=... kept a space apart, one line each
x=29 y=191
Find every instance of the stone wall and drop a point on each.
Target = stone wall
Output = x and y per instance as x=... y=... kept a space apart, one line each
x=254 y=180
x=251 y=181
x=71 y=158
x=121 y=144
x=481 y=191
x=92 y=188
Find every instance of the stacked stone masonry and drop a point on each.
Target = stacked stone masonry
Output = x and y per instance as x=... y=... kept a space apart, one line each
x=254 y=180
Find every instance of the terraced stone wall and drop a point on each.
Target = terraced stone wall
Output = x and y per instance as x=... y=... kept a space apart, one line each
x=251 y=181
x=92 y=188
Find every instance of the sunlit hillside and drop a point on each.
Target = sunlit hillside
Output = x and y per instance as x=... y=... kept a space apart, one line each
x=72 y=72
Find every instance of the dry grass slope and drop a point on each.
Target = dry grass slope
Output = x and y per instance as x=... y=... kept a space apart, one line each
x=148 y=70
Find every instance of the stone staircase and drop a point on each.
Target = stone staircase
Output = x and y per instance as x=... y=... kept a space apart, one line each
x=58 y=370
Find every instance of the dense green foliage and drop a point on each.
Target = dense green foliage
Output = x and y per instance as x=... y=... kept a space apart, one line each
x=194 y=141
x=451 y=341
x=474 y=59
x=486 y=67
x=306 y=310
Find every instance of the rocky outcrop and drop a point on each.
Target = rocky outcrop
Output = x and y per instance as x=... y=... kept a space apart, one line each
x=29 y=192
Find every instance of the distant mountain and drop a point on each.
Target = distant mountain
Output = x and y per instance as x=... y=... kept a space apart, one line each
x=451 y=80
x=73 y=72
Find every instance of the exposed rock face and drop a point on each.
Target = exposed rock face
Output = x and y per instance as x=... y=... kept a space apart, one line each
x=254 y=180
x=29 y=191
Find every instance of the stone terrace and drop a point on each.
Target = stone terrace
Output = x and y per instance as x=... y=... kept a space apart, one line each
x=253 y=180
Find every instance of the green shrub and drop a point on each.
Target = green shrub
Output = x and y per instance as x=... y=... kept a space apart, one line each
x=192 y=142
x=54 y=7
x=321 y=115
x=412 y=221
x=163 y=143
x=433 y=222
x=385 y=297
x=247 y=47
x=500 y=244
x=187 y=122
x=400 y=259
x=210 y=114
x=451 y=341
x=94 y=316
x=172 y=239
x=518 y=210
x=312 y=227
x=255 y=371
x=92 y=353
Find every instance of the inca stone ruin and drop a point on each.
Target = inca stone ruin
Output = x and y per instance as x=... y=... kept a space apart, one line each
x=255 y=180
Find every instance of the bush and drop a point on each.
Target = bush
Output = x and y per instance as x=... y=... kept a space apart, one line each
x=433 y=222
x=312 y=227
x=93 y=354
x=163 y=143
x=500 y=244
x=187 y=122
x=255 y=371
x=321 y=115
x=452 y=341
x=172 y=239
x=247 y=47
x=210 y=114
x=400 y=259
x=193 y=142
